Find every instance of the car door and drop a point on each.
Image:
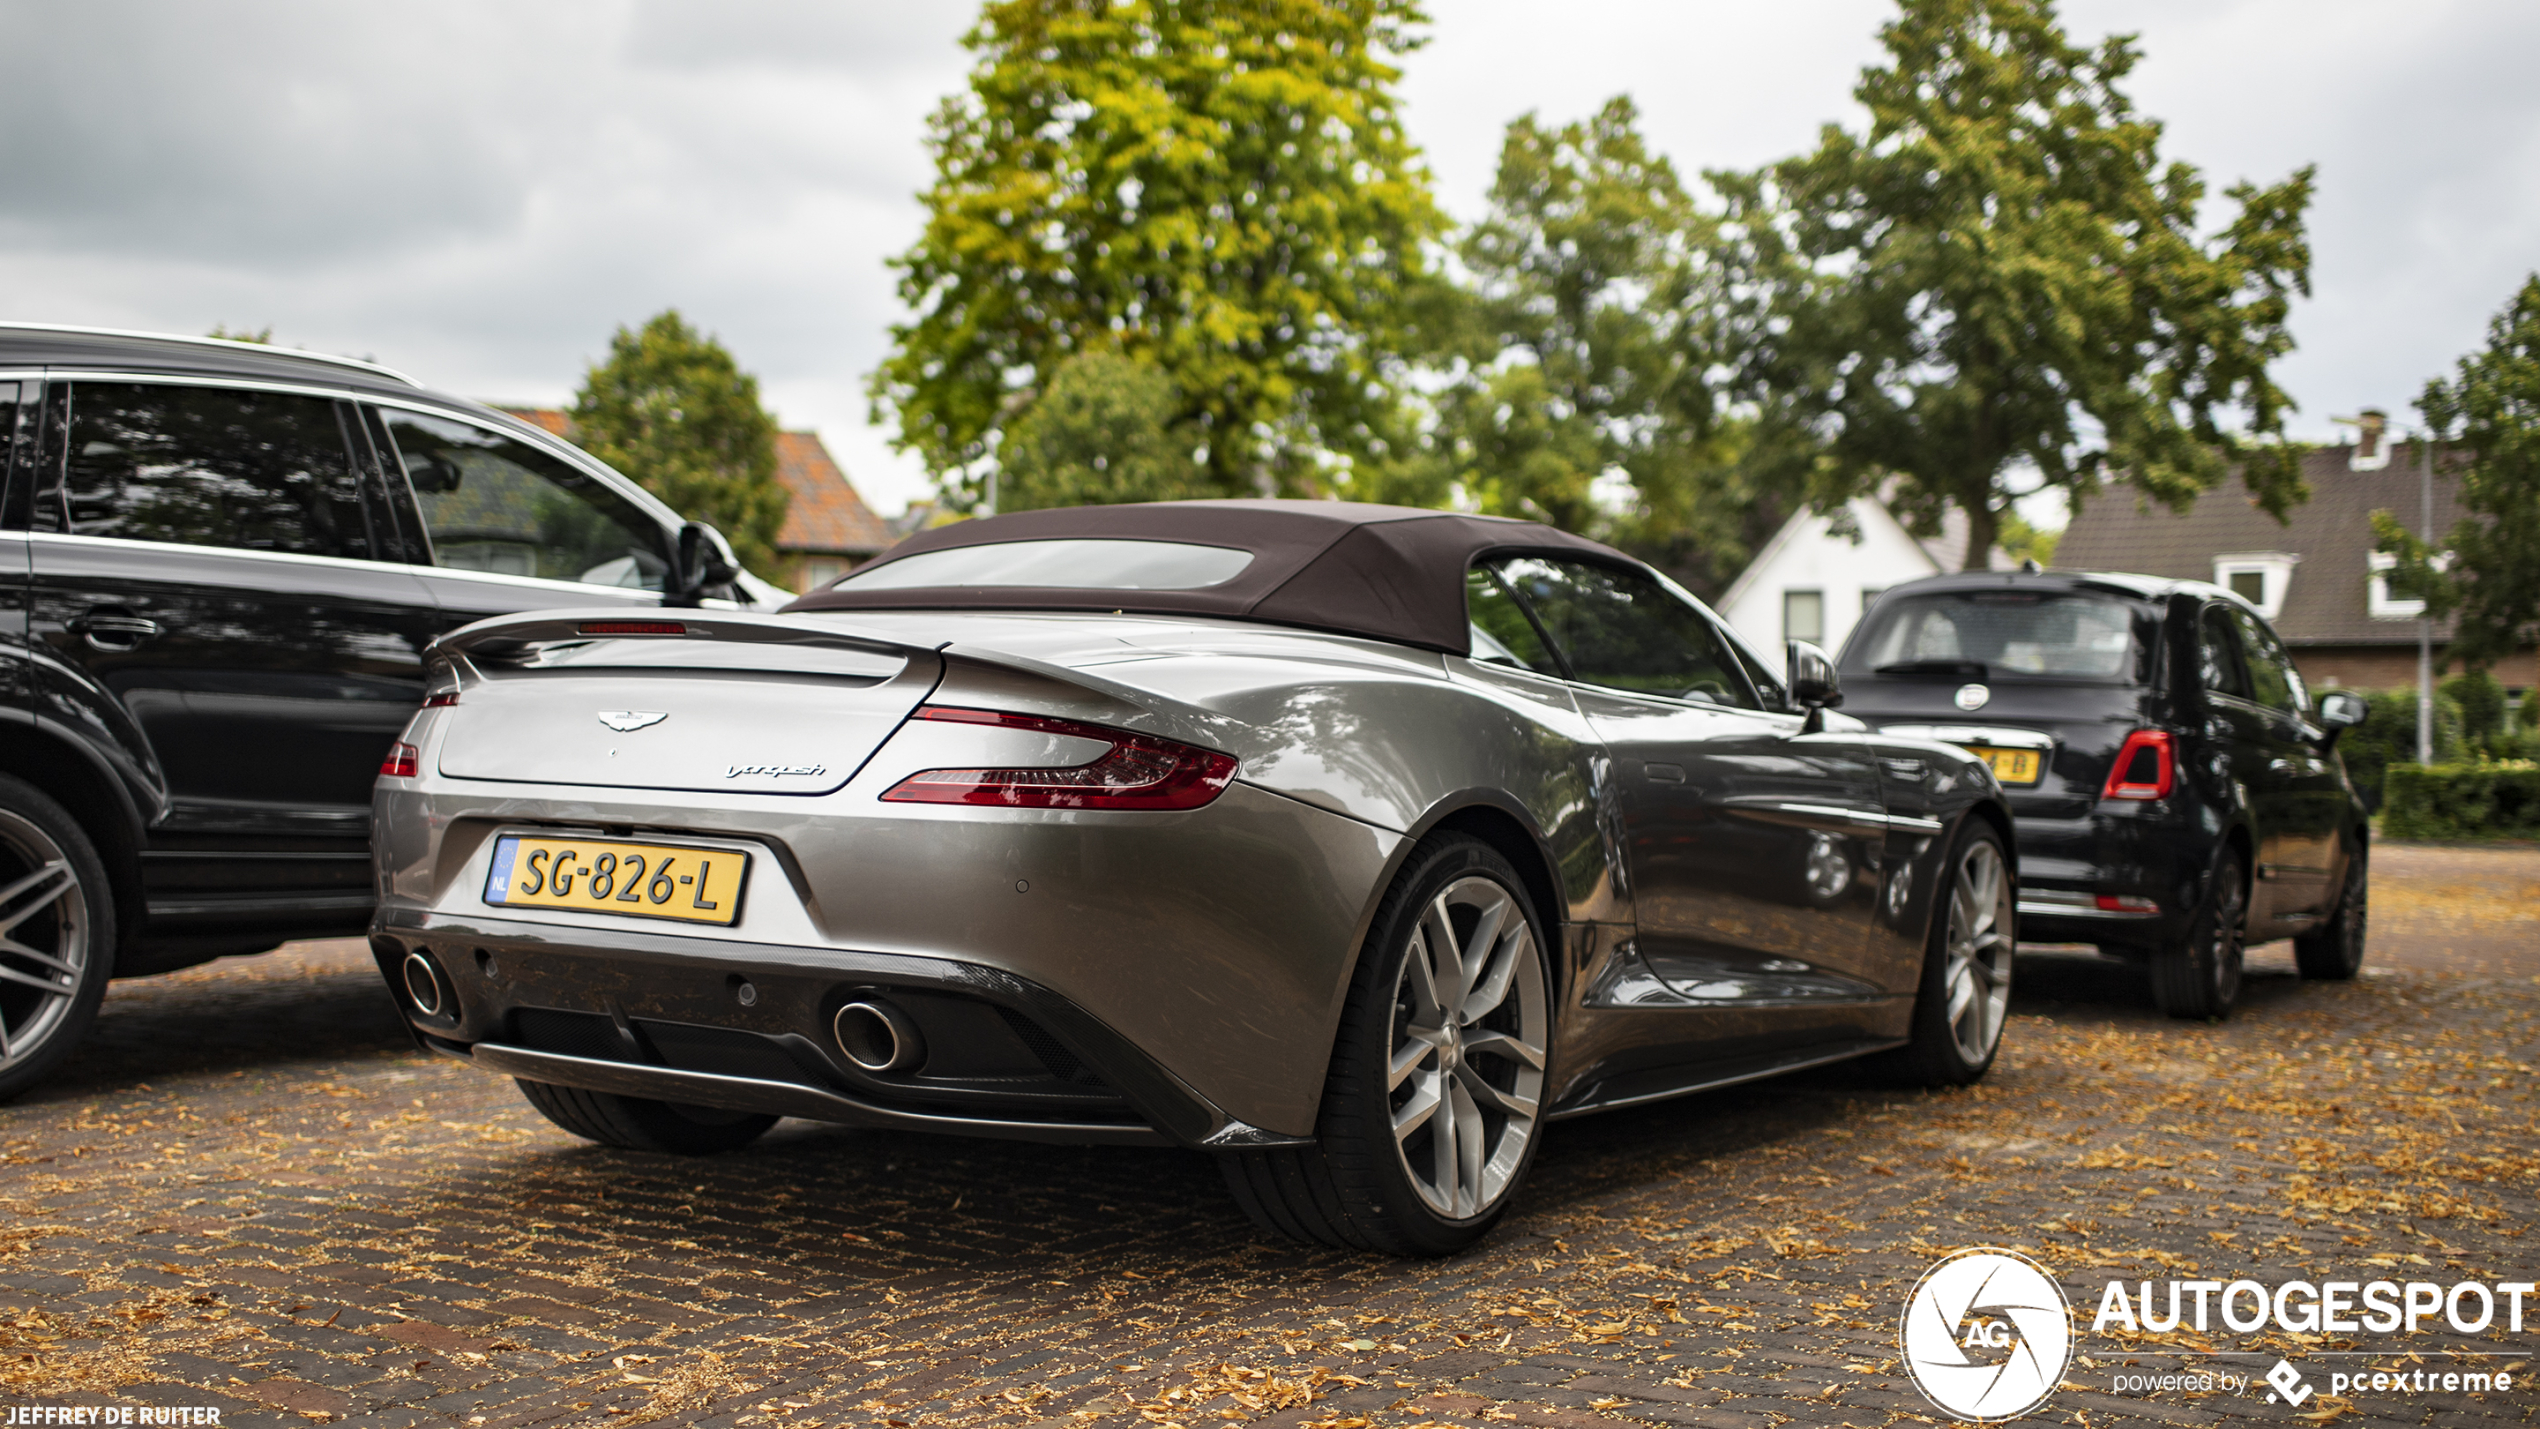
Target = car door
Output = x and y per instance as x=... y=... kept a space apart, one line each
x=204 y=592
x=496 y=525
x=1753 y=847
x=2296 y=788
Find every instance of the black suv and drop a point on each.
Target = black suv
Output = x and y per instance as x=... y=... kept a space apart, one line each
x=224 y=561
x=2176 y=795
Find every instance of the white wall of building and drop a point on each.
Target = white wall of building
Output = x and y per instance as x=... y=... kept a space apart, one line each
x=1807 y=557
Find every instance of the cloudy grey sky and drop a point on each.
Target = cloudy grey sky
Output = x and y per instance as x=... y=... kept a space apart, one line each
x=479 y=192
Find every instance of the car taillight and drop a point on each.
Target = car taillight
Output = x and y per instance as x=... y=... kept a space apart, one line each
x=2146 y=767
x=401 y=762
x=440 y=699
x=2126 y=903
x=1139 y=771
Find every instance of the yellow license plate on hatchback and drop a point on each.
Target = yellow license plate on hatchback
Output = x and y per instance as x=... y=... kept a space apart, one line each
x=2012 y=766
x=692 y=885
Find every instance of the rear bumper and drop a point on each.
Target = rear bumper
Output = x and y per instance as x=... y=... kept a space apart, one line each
x=746 y=1027
x=2141 y=853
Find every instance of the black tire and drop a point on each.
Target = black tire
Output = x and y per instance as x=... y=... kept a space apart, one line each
x=1972 y=944
x=1356 y=1186
x=2200 y=977
x=59 y=951
x=2334 y=951
x=636 y=1124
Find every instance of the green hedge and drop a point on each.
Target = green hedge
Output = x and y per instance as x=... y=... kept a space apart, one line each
x=2389 y=738
x=2462 y=801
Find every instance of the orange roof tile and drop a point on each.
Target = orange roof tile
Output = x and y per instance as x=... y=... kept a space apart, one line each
x=824 y=514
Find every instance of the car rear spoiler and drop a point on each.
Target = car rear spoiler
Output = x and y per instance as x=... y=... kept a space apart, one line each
x=513 y=637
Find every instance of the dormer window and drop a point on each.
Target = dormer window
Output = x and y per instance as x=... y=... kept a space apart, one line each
x=2379 y=601
x=2258 y=577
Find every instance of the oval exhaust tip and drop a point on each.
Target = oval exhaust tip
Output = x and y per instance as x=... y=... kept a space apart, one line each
x=423 y=984
x=877 y=1036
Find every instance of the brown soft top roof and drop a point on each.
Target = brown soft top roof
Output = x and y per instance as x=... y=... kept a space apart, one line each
x=1388 y=572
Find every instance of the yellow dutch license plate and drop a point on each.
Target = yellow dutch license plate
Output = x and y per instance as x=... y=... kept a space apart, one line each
x=2012 y=766
x=692 y=885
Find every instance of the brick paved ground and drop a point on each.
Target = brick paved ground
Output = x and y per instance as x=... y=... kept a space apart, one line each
x=249 y=1193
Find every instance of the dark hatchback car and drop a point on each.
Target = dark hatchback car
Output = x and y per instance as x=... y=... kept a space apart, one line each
x=222 y=563
x=2176 y=794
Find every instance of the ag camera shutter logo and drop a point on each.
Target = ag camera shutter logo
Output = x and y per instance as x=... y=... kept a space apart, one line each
x=1987 y=1334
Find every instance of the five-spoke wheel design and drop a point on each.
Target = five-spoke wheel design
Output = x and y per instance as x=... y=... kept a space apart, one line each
x=1977 y=974
x=44 y=939
x=57 y=934
x=1465 y=1075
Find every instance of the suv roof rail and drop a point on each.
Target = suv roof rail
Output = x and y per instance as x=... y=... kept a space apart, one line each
x=219 y=342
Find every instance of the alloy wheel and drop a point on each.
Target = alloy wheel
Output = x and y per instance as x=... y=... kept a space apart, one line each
x=1978 y=976
x=2225 y=941
x=43 y=938
x=1466 y=1070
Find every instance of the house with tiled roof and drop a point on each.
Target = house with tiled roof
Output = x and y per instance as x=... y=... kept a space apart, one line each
x=828 y=528
x=2314 y=576
x=1819 y=572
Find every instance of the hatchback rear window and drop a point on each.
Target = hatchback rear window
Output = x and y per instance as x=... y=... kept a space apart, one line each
x=1060 y=565
x=1998 y=634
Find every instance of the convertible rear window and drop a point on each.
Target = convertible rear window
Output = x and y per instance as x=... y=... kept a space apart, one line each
x=1060 y=565
x=1994 y=634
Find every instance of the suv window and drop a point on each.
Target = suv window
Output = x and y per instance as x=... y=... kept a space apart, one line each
x=208 y=466
x=1620 y=629
x=490 y=503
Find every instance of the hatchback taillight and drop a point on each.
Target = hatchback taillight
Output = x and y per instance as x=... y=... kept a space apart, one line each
x=1139 y=771
x=2146 y=767
x=402 y=761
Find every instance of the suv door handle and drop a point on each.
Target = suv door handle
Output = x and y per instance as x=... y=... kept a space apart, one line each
x=114 y=630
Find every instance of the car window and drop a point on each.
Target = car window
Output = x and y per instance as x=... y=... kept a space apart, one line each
x=1620 y=629
x=208 y=466
x=1499 y=628
x=2273 y=682
x=490 y=503
x=1076 y=564
x=2011 y=634
x=2218 y=654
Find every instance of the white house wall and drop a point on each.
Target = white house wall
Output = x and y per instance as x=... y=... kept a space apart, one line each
x=1806 y=555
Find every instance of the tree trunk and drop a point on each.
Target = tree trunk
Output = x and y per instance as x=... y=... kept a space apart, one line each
x=1983 y=524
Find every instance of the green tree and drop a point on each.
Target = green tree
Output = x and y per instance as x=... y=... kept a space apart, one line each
x=670 y=408
x=1219 y=188
x=2489 y=580
x=262 y=335
x=1104 y=432
x=1583 y=351
x=2023 y=542
x=1999 y=286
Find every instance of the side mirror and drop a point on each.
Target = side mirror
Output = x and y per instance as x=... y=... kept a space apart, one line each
x=1814 y=685
x=2342 y=709
x=704 y=563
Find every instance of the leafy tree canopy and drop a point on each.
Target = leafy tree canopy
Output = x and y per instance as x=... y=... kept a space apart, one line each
x=670 y=408
x=1581 y=351
x=1219 y=188
x=2000 y=285
x=1103 y=432
x=2489 y=580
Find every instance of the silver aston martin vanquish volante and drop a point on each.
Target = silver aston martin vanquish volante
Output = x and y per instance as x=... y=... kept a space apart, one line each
x=1350 y=844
